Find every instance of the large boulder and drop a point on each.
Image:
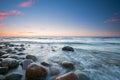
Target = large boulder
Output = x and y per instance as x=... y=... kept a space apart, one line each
x=35 y=71
x=10 y=63
x=31 y=57
x=68 y=76
x=67 y=48
x=26 y=62
x=14 y=76
x=67 y=65
x=3 y=70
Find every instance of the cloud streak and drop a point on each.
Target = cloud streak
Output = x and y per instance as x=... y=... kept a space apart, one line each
x=26 y=3
x=5 y=14
x=1 y=24
x=112 y=20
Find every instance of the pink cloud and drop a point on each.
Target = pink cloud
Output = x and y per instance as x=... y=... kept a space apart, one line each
x=112 y=20
x=3 y=15
x=26 y=3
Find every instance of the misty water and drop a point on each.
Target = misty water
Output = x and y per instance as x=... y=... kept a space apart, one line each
x=96 y=57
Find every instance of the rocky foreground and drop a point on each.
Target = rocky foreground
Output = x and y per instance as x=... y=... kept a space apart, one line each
x=12 y=57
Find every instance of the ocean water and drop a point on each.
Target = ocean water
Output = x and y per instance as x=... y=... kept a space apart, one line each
x=96 y=57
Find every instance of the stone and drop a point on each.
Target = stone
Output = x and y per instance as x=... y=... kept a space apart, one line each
x=68 y=76
x=14 y=76
x=2 y=53
x=31 y=57
x=54 y=70
x=21 y=54
x=2 y=77
x=3 y=70
x=26 y=62
x=67 y=65
x=67 y=48
x=83 y=77
x=13 y=56
x=46 y=63
x=10 y=63
x=9 y=50
x=35 y=71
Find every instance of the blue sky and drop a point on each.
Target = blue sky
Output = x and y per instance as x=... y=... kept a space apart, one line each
x=59 y=18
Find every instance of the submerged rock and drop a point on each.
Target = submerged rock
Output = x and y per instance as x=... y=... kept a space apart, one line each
x=26 y=62
x=2 y=77
x=67 y=65
x=67 y=48
x=35 y=71
x=2 y=53
x=3 y=70
x=10 y=63
x=46 y=63
x=68 y=76
x=31 y=57
x=54 y=70
x=14 y=76
x=21 y=54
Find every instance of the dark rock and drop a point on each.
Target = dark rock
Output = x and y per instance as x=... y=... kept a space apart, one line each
x=68 y=76
x=14 y=76
x=9 y=50
x=35 y=71
x=31 y=57
x=21 y=54
x=83 y=77
x=26 y=62
x=22 y=45
x=13 y=56
x=67 y=48
x=67 y=65
x=11 y=45
x=2 y=53
x=46 y=63
x=2 y=77
x=10 y=63
x=3 y=70
x=54 y=70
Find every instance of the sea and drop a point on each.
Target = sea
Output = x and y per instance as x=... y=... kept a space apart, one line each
x=96 y=57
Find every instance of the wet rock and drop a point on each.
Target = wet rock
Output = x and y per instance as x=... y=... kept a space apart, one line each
x=22 y=45
x=2 y=53
x=21 y=49
x=9 y=50
x=54 y=70
x=13 y=56
x=2 y=77
x=68 y=76
x=11 y=45
x=10 y=63
x=67 y=48
x=16 y=48
x=35 y=71
x=26 y=62
x=14 y=76
x=67 y=65
x=5 y=56
x=46 y=63
x=21 y=54
x=3 y=70
x=83 y=77
x=31 y=57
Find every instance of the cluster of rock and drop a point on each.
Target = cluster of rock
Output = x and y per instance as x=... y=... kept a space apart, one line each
x=10 y=59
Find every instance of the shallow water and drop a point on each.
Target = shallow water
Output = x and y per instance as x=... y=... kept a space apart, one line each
x=97 y=57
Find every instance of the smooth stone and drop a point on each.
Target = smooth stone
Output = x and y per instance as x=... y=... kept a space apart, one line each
x=13 y=56
x=14 y=76
x=26 y=63
x=67 y=48
x=68 y=76
x=54 y=70
x=35 y=71
x=3 y=70
x=31 y=57
x=67 y=65
x=5 y=56
x=11 y=45
x=9 y=50
x=2 y=53
x=46 y=63
x=10 y=63
x=21 y=54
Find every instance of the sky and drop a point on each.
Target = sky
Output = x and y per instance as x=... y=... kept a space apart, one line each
x=59 y=17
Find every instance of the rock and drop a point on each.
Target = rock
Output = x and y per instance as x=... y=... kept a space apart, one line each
x=2 y=53
x=26 y=62
x=68 y=76
x=35 y=71
x=22 y=45
x=11 y=45
x=46 y=63
x=67 y=48
x=83 y=77
x=3 y=70
x=14 y=76
x=2 y=77
x=5 y=56
x=9 y=50
x=10 y=63
x=13 y=56
x=54 y=70
x=21 y=54
x=67 y=65
x=31 y=57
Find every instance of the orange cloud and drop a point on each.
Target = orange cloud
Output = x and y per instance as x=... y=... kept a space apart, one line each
x=26 y=3
x=1 y=25
x=3 y=15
